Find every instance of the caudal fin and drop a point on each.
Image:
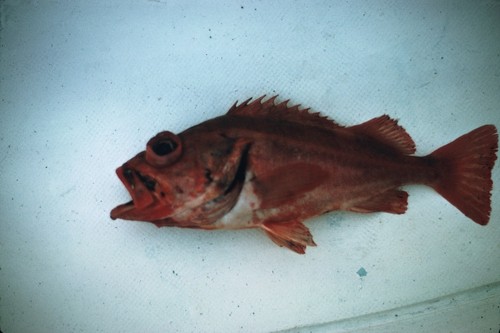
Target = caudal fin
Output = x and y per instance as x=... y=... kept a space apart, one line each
x=465 y=169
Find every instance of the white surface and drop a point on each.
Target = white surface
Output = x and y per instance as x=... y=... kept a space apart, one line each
x=85 y=84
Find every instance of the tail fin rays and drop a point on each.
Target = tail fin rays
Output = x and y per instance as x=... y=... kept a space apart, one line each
x=465 y=167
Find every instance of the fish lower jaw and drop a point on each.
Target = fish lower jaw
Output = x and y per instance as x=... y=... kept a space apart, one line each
x=119 y=211
x=150 y=212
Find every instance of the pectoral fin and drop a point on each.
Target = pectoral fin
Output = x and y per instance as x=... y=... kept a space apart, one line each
x=293 y=235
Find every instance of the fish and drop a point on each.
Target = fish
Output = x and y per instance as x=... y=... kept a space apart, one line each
x=272 y=166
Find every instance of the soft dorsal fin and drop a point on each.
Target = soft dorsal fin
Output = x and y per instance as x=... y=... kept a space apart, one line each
x=281 y=111
x=386 y=130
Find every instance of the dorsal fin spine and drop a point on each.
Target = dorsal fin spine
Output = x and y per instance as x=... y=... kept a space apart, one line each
x=281 y=111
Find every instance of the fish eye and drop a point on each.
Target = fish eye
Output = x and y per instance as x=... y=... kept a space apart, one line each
x=163 y=149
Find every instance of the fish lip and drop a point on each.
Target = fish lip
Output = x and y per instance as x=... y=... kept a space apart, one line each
x=141 y=196
x=121 y=210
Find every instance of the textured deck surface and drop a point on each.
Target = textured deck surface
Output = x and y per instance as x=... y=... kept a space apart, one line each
x=84 y=85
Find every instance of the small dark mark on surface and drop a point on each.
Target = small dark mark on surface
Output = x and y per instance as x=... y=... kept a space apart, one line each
x=362 y=272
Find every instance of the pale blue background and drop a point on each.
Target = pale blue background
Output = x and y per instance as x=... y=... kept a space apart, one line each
x=85 y=84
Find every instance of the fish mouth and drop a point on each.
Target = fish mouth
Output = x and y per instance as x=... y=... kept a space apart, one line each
x=144 y=204
x=121 y=210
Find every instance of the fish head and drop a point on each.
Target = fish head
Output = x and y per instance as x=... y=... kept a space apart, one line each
x=183 y=180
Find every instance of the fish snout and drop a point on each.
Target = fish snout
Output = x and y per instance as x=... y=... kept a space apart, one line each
x=144 y=205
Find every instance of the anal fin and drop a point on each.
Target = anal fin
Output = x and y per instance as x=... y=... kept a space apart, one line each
x=293 y=235
x=392 y=201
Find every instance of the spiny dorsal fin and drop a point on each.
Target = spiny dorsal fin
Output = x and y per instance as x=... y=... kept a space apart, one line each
x=281 y=111
x=387 y=130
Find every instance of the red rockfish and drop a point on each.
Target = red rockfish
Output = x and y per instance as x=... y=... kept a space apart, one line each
x=270 y=166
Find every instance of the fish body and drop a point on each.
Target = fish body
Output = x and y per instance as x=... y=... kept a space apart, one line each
x=270 y=166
